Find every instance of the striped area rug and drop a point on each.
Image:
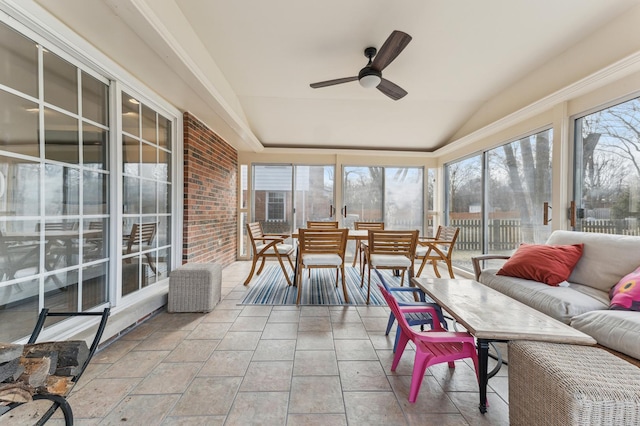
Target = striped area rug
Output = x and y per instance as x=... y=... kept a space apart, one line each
x=270 y=288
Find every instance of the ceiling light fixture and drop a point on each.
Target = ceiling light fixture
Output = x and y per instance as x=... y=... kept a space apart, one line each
x=369 y=78
x=134 y=101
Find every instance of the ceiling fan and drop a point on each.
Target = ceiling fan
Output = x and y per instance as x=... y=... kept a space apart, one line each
x=371 y=74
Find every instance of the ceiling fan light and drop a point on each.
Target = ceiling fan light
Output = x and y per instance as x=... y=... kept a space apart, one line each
x=369 y=81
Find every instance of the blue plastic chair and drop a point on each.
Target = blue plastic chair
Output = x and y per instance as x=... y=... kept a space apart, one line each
x=414 y=318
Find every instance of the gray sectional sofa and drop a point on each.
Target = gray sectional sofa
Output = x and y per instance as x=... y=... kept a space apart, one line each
x=582 y=302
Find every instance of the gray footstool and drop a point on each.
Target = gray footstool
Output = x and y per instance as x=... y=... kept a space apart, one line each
x=555 y=384
x=194 y=287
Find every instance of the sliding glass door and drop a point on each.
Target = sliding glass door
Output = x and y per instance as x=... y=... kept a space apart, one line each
x=282 y=209
x=607 y=171
x=498 y=197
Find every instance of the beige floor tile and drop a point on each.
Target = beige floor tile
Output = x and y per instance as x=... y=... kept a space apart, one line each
x=255 y=311
x=141 y=410
x=344 y=315
x=228 y=304
x=195 y=421
x=314 y=311
x=222 y=315
x=285 y=330
x=375 y=324
x=284 y=316
x=135 y=364
x=275 y=350
x=192 y=351
x=114 y=351
x=169 y=377
x=363 y=376
x=210 y=330
x=100 y=396
x=240 y=341
x=162 y=340
x=249 y=324
x=315 y=340
x=431 y=397
x=405 y=366
x=373 y=408
x=434 y=419
x=180 y=320
x=459 y=379
x=267 y=376
x=350 y=330
x=316 y=394
x=142 y=331
x=380 y=341
x=259 y=408
x=314 y=323
x=355 y=350
x=227 y=363
x=373 y=311
x=316 y=420
x=467 y=402
x=208 y=396
x=315 y=363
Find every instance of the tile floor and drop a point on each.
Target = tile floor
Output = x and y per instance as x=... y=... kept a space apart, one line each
x=270 y=365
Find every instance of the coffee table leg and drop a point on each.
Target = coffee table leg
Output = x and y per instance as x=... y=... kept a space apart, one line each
x=483 y=365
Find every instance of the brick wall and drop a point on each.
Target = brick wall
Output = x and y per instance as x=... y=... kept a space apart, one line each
x=210 y=196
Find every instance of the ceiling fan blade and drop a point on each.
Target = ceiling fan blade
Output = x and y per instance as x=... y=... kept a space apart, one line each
x=391 y=48
x=392 y=90
x=333 y=82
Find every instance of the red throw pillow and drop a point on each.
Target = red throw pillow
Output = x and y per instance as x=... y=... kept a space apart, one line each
x=544 y=263
x=626 y=294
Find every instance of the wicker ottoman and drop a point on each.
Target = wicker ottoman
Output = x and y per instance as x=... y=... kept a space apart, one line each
x=555 y=384
x=194 y=287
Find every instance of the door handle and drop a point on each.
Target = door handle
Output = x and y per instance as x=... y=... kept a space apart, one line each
x=545 y=213
x=345 y=212
x=572 y=214
x=332 y=210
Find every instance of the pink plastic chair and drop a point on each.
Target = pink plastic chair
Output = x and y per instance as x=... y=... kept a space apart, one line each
x=432 y=347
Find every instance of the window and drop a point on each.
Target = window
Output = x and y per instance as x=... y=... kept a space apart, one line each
x=607 y=170
x=56 y=180
x=496 y=198
x=54 y=183
x=146 y=195
x=275 y=206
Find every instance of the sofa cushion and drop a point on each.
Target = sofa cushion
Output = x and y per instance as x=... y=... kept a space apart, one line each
x=605 y=258
x=549 y=264
x=626 y=294
x=618 y=330
x=561 y=303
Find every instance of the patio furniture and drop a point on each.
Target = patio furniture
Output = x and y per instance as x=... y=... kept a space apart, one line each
x=437 y=249
x=60 y=401
x=413 y=318
x=140 y=239
x=389 y=250
x=475 y=307
x=359 y=254
x=195 y=287
x=321 y=248
x=264 y=246
x=558 y=384
x=431 y=347
x=311 y=224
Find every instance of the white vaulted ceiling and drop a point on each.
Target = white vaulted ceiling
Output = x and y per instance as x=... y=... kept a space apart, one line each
x=245 y=66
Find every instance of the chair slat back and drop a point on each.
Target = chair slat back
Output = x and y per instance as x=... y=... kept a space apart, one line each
x=323 y=241
x=142 y=233
x=369 y=225
x=395 y=308
x=393 y=242
x=321 y=225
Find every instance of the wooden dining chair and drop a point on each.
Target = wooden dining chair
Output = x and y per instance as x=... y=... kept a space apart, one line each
x=140 y=239
x=389 y=250
x=322 y=248
x=361 y=244
x=431 y=347
x=312 y=224
x=437 y=249
x=264 y=246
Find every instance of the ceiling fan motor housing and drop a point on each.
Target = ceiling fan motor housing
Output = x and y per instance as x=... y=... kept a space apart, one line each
x=369 y=77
